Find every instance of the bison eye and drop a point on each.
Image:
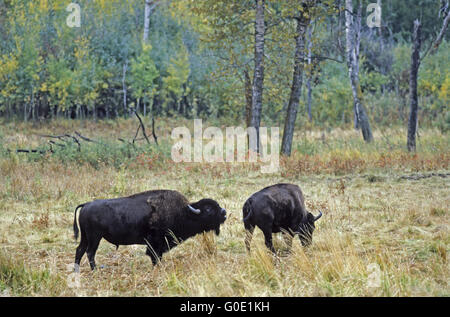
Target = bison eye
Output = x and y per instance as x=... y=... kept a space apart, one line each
x=211 y=210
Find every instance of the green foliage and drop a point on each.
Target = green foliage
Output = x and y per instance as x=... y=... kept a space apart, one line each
x=333 y=96
x=197 y=56
x=444 y=122
x=400 y=15
x=434 y=81
x=59 y=84
x=177 y=75
x=106 y=153
x=143 y=75
x=20 y=280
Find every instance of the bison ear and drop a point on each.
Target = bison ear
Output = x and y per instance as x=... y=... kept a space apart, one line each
x=311 y=217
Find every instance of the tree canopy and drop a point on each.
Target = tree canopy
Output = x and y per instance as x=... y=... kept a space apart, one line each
x=199 y=57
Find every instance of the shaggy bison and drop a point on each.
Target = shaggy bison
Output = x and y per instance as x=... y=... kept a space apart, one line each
x=159 y=219
x=278 y=208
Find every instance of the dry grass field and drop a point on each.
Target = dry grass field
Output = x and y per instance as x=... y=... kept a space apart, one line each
x=385 y=229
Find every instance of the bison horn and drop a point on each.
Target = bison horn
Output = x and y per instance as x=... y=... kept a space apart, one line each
x=195 y=211
x=318 y=217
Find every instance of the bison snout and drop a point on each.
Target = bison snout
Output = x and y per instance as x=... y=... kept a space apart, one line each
x=223 y=212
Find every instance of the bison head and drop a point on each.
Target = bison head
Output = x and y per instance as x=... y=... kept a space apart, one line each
x=208 y=213
x=307 y=227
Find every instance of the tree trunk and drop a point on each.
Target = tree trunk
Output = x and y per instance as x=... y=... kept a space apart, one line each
x=107 y=111
x=414 y=104
x=156 y=105
x=33 y=107
x=309 y=81
x=187 y=106
x=248 y=98
x=353 y=31
x=296 y=89
x=258 y=77
x=149 y=7
x=442 y=32
x=124 y=88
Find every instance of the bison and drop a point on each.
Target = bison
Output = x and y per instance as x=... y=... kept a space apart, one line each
x=278 y=208
x=159 y=219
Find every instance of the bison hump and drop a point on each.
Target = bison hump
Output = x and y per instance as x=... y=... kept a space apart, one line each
x=165 y=205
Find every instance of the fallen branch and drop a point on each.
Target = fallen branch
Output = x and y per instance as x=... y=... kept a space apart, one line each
x=153 y=131
x=137 y=132
x=30 y=151
x=62 y=138
x=76 y=141
x=68 y=137
x=58 y=144
x=86 y=138
x=423 y=176
x=142 y=126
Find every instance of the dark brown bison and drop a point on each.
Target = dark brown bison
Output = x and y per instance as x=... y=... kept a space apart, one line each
x=159 y=219
x=278 y=208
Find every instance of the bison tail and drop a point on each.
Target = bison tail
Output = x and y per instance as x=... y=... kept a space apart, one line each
x=75 y=226
x=247 y=211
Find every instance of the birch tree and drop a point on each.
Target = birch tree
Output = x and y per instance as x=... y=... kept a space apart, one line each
x=258 y=76
x=149 y=8
x=416 y=60
x=353 y=40
x=310 y=76
x=414 y=103
x=302 y=24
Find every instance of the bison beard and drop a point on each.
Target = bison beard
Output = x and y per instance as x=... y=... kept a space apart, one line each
x=159 y=219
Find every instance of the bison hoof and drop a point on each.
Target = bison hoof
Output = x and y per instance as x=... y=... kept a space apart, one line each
x=76 y=268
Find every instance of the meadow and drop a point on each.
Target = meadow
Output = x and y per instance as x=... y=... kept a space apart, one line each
x=385 y=229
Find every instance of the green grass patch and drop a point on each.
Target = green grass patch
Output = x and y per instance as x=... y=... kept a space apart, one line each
x=18 y=279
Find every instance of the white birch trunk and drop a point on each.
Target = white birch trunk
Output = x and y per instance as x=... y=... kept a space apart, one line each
x=353 y=32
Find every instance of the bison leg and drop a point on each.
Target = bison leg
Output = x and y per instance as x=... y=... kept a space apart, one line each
x=154 y=255
x=268 y=239
x=288 y=237
x=92 y=247
x=248 y=235
x=81 y=249
x=155 y=248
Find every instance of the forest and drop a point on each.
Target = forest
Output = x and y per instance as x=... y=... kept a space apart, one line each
x=91 y=92
x=197 y=61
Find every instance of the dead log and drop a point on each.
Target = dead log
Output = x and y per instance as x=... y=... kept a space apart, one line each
x=31 y=151
x=86 y=138
x=153 y=131
x=62 y=138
